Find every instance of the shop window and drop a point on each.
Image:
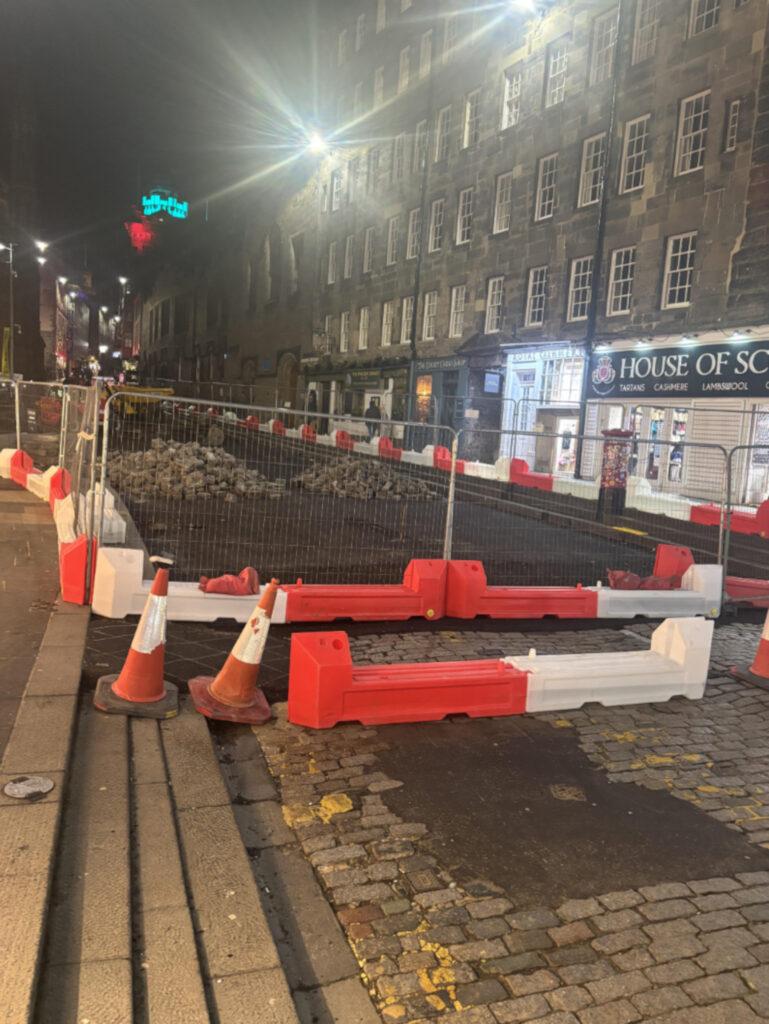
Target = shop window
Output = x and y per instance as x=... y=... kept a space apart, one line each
x=561 y=380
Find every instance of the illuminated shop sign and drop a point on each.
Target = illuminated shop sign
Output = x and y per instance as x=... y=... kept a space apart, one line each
x=717 y=371
x=161 y=201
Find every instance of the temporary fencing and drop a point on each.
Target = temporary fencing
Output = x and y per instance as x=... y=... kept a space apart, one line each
x=337 y=498
x=228 y=485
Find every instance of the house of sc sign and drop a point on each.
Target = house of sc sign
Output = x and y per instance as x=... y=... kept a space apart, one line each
x=160 y=201
x=716 y=371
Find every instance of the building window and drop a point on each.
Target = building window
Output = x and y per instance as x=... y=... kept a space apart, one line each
x=547 y=180
x=328 y=327
x=465 y=216
x=420 y=146
x=407 y=319
x=341 y=51
x=732 y=126
x=428 y=320
x=368 y=250
x=378 y=87
x=399 y=157
x=348 y=249
x=646 y=26
x=442 y=134
x=580 y=288
x=337 y=185
x=331 y=275
x=494 y=305
x=604 y=42
x=449 y=36
x=692 y=133
x=392 y=241
x=457 y=315
x=535 y=299
x=634 y=154
x=679 y=270
x=471 y=132
x=436 y=225
x=561 y=380
x=557 y=65
x=403 y=70
x=425 y=54
x=621 y=274
x=591 y=174
x=503 y=203
x=414 y=232
x=381 y=15
x=363 y=328
x=360 y=31
x=344 y=332
x=705 y=14
x=387 y=324
x=357 y=100
x=372 y=169
x=511 y=99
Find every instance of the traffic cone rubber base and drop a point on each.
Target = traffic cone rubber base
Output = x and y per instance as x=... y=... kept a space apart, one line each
x=257 y=712
x=743 y=673
x=105 y=699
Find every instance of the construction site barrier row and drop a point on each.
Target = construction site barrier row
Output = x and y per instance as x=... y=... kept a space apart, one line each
x=431 y=589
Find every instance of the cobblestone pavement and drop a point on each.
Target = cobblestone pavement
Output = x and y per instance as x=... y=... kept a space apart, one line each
x=688 y=950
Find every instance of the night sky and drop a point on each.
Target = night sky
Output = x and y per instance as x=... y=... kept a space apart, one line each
x=195 y=94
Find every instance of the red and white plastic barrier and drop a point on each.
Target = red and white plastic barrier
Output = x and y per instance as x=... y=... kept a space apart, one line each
x=325 y=688
x=431 y=589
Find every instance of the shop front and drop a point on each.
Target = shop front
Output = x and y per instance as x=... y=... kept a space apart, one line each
x=691 y=392
x=542 y=396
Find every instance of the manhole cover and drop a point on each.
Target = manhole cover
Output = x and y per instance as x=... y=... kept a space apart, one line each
x=28 y=787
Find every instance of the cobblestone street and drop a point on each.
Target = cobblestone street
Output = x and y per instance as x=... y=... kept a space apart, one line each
x=433 y=942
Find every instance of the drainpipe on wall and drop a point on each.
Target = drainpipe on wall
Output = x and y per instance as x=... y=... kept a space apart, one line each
x=600 y=234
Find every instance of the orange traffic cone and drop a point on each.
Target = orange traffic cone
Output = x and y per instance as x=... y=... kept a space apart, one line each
x=758 y=673
x=233 y=695
x=140 y=688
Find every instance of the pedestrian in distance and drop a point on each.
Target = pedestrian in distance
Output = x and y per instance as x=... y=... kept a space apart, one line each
x=373 y=417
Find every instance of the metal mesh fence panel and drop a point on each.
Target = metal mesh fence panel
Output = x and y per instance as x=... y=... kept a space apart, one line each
x=79 y=445
x=233 y=485
x=746 y=552
x=539 y=524
x=40 y=415
x=8 y=414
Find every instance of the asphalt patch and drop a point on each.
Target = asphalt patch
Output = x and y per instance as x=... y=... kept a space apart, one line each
x=515 y=802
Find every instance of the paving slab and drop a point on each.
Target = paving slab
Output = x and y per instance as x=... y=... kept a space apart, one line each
x=41 y=737
x=193 y=768
x=313 y=947
x=99 y=992
x=344 y=1002
x=170 y=968
x=258 y=995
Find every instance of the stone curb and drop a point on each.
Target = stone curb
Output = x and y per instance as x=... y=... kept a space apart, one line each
x=40 y=743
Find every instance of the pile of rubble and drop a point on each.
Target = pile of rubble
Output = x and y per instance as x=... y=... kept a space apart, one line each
x=348 y=478
x=187 y=471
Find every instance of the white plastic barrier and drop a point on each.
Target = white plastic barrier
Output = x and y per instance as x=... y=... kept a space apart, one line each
x=39 y=484
x=64 y=519
x=113 y=524
x=424 y=458
x=482 y=470
x=700 y=594
x=119 y=590
x=587 y=489
x=675 y=666
x=5 y=462
x=642 y=496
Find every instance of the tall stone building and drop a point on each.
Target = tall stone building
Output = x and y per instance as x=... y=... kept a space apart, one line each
x=524 y=207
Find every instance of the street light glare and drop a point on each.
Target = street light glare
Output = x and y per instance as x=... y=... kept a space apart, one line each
x=123 y=280
x=42 y=246
x=62 y=280
x=317 y=143
x=41 y=260
x=104 y=309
